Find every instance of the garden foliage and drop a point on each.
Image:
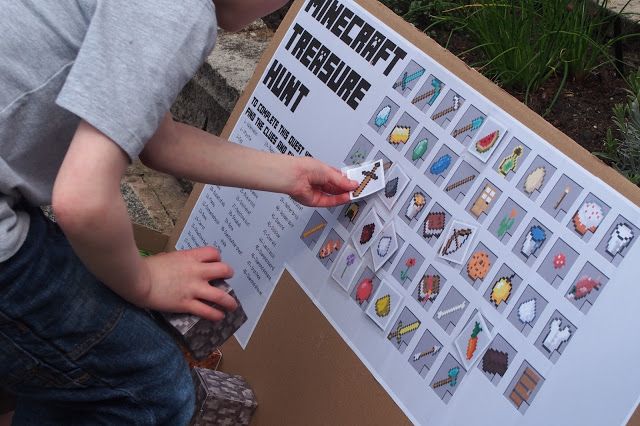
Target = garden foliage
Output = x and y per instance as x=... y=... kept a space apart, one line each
x=525 y=42
x=623 y=150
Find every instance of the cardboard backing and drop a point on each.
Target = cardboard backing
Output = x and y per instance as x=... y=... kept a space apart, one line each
x=300 y=368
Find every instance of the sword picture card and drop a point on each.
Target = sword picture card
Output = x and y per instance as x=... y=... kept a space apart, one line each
x=408 y=78
x=473 y=340
x=405 y=327
x=370 y=178
x=366 y=231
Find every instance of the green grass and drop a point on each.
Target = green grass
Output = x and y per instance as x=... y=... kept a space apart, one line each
x=525 y=42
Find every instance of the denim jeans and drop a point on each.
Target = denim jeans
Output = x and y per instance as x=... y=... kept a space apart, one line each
x=73 y=352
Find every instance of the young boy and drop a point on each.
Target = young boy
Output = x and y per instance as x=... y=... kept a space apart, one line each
x=85 y=87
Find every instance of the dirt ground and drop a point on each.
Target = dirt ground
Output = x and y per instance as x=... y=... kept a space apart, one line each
x=583 y=110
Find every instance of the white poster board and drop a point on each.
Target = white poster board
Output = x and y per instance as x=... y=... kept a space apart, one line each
x=510 y=294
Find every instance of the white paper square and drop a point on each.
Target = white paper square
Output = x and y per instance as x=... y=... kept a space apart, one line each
x=345 y=267
x=456 y=241
x=384 y=304
x=371 y=218
x=375 y=181
x=488 y=128
x=384 y=246
x=462 y=341
x=388 y=195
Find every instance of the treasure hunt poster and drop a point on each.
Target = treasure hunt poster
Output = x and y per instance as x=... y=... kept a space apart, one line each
x=480 y=274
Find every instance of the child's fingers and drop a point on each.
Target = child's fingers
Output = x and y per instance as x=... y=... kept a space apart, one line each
x=205 y=311
x=325 y=200
x=204 y=254
x=337 y=183
x=216 y=270
x=217 y=296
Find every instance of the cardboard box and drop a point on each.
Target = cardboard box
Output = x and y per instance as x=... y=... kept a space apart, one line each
x=221 y=399
x=202 y=337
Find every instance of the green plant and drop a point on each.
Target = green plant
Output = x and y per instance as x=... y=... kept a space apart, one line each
x=623 y=151
x=526 y=42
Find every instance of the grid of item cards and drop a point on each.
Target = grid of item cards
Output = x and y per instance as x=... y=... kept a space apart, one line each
x=470 y=243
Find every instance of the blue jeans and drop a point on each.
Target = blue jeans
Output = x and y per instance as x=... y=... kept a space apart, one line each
x=73 y=352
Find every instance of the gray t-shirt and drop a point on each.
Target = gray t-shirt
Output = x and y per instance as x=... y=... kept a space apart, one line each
x=117 y=64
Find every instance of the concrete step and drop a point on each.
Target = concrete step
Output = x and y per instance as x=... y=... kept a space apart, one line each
x=630 y=8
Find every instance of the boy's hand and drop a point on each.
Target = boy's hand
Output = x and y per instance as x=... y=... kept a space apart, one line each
x=316 y=184
x=179 y=282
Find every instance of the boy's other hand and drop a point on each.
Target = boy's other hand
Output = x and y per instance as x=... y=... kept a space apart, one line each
x=179 y=282
x=316 y=184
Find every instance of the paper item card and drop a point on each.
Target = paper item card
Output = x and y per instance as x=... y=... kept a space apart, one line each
x=370 y=179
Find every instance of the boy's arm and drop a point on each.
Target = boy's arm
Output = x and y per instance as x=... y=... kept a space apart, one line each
x=182 y=150
x=90 y=210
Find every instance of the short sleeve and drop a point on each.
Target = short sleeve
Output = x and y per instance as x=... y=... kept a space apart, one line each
x=134 y=60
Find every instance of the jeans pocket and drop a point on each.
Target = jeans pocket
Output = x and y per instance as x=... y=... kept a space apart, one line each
x=23 y=369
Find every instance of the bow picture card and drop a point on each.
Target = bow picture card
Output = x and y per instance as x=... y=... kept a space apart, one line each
x=457 y=241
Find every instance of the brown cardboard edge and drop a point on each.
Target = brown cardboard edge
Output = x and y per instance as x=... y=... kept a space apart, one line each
x=149 y=239
x=301 y=370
